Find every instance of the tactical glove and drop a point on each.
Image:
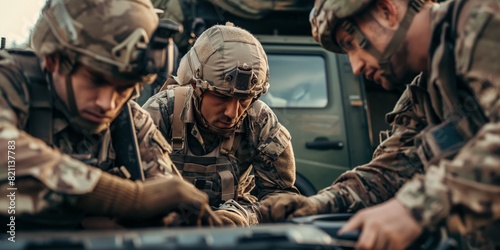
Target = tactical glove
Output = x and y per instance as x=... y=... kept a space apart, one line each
x=233 y=214
x=122 y=198
x=232 y=218
x=281 y=207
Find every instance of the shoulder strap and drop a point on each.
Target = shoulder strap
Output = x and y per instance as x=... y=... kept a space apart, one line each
x=178 y=126
x=40 y=120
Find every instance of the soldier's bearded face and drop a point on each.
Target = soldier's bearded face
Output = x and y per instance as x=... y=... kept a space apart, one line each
x=98 y=97
x=366 y=64
x=223 y=111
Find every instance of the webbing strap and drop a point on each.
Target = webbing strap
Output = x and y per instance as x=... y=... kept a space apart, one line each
x=228 y=185
x=178 y=126
x=413 y=8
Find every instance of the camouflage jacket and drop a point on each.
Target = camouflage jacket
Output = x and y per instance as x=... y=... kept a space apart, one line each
x=48 y=178
x=462 y=189
x=266 y=147
x=457 y=106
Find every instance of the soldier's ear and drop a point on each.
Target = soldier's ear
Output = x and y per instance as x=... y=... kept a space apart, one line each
x=387 y=11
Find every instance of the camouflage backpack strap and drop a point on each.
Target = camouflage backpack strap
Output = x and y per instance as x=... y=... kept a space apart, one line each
x=40 y=120
x=178 y=126
x=229 y=178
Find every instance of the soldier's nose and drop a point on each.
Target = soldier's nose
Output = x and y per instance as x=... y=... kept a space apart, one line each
x=356 y=63
x=232 y=108
x=106 y=97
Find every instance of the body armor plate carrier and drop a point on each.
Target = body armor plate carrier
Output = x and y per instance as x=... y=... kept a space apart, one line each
x=215 y=173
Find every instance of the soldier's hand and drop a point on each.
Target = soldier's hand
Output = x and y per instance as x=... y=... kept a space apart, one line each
x=281 y=207
x=230 y=218
x=193 y=209
x=189 y=218
x=151 y=199
x=386 y=226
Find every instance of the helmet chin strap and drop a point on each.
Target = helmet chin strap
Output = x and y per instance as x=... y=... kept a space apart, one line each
x=70 y=94
x=198 y=96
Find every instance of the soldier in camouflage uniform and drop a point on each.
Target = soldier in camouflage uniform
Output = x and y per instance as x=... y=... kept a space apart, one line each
x=226 y=141
x=55 y=113
x=446 y=124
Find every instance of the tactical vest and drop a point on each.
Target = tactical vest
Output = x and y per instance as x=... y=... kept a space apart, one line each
x=449 y=105
x=40 y=120
x=216 y=173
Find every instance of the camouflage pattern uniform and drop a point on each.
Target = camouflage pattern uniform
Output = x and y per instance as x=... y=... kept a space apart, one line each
x=446 y=123
x=59 y=174
x=258 y=152
x=461 y=186
x=49 y=177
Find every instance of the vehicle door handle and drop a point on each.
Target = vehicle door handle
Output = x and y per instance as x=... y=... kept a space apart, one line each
x=322 y=143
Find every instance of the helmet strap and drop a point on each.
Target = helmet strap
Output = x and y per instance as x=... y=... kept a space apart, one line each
x=68 y=67
x=73 y=109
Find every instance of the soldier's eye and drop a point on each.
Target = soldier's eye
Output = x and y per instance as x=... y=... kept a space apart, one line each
x=346 y=44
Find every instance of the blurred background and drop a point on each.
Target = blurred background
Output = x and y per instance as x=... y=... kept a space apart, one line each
x=17 y=19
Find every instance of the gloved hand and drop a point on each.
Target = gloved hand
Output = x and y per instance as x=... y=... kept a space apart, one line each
x=193 y=217
x=281 y=207
x=232 y=218
x=129 y=200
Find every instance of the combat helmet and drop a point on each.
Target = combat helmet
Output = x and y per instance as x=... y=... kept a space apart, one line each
x=118 y=38
x=327 y=15
x=228 y=60
x=110 y=36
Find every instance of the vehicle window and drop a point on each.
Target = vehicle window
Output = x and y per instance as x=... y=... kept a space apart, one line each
x=296 y=81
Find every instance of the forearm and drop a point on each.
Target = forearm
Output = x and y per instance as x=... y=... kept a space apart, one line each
x=44 y=177
x=466 y=186
x=394 y=164
x=41 y=170
x=32 y=157
x=362 y=187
